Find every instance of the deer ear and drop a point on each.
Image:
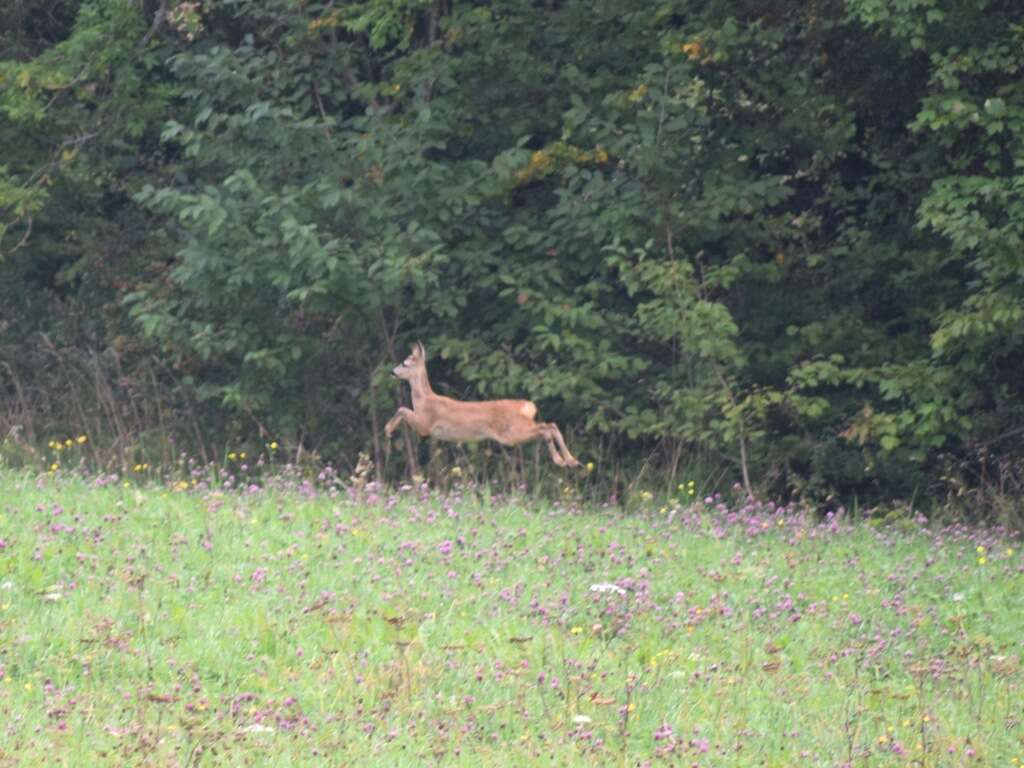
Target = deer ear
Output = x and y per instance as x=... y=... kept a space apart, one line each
x=419 y=348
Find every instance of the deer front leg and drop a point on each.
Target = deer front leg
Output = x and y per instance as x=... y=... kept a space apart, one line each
x=410 y=417
x=394 y=421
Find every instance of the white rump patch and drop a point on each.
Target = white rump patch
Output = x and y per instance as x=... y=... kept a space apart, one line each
x=529 y=410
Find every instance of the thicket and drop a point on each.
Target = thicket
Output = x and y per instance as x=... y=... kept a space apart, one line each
x=780 y=239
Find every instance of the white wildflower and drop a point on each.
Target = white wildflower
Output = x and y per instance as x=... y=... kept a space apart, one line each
x=607 y=588
x=257 y=728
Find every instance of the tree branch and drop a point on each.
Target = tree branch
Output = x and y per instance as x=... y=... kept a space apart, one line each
x=158 y=21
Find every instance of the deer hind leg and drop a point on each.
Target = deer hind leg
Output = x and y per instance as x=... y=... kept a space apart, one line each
x=526 y=432
x=555 y=434
x=551 y=436
x=555 y=455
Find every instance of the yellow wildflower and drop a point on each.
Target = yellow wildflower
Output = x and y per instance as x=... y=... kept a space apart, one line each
x=692 y=49
x=638 y=93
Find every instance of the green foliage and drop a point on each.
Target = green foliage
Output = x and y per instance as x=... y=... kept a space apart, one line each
x=783 y=241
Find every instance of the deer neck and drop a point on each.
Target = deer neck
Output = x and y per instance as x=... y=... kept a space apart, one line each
x=421 y=389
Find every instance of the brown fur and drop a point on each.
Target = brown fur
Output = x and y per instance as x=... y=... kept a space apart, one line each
x=509 y=422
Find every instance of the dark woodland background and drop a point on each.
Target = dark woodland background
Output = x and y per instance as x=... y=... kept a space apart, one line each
x=709 y=238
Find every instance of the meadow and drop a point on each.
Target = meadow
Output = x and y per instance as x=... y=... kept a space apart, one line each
x=327 y=621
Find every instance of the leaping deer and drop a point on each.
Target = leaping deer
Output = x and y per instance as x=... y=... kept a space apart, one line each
x=509 y=422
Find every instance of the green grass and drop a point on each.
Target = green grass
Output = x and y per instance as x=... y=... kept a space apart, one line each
x=149 y=626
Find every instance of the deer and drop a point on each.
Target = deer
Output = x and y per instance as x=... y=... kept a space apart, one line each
x=509 y=422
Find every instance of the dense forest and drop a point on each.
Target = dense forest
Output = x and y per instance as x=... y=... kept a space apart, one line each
x=743 y=241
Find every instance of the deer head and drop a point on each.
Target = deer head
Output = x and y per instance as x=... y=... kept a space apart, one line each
x=414 y=365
